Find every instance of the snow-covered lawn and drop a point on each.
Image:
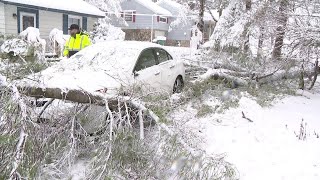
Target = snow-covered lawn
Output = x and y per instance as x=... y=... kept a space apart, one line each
x=267 y=148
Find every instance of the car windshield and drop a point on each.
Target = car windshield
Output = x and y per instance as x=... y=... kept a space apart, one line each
x=104 y=57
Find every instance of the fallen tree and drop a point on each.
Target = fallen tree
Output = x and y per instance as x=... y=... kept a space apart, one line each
x=255 y=77
x=110 y=102
x=108 y=139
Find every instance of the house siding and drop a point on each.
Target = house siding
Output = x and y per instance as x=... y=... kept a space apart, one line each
x=48 y=21
x=90 y=23
x=2 y=20
x=142 y=22
x=11 y=23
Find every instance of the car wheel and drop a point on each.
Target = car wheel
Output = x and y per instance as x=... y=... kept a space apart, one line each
x=178 y=85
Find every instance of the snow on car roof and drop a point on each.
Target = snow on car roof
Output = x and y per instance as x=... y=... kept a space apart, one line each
x=154 y=7
x=106 y=64
x=78 y=6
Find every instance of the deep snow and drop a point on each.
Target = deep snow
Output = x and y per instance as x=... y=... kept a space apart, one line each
x=267 y=148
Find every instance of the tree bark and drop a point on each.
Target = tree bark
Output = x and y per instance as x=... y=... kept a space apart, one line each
x=301 y=78
x=281 y=29
x=56 y=93
x=248 y=5
x=316 y=72
x=245 y=34
x=260 y=42
x=201 y=15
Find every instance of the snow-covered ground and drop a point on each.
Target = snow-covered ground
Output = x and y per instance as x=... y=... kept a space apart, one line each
x=267 y=148
x=180 y=52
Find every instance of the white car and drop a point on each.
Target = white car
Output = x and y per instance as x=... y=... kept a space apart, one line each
x=112 y=67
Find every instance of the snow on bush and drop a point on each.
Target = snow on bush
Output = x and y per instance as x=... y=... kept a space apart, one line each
x=56 y=41
x=15 y=47
x=227 y=31
x=3 y=80
x=103 y=31
x=28 y=44
x=32 y=36
x=196 y=38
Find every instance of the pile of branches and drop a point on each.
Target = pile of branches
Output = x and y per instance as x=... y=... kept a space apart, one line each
x=246 y=71
x=131 y=142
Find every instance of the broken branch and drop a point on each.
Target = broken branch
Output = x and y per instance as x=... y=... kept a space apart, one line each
x=244 y=117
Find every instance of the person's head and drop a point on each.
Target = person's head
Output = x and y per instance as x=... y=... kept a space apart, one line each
x=74 y=29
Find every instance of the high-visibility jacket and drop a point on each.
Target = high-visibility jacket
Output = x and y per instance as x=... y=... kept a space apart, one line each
x=75 y=44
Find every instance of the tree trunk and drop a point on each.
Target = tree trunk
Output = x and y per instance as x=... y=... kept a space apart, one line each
x=260 y=42
x=248 y=5
x=201 y=14
x=281 y=29
x=246 y=42
x=56 y=93
x=316 y=72
x=246 y=30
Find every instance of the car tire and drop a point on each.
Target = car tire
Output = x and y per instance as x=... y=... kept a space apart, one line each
x=178 y=85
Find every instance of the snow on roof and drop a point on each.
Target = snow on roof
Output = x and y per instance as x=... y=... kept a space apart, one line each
x=77 y=6
x=154 y=7
x=102 y=65
x=171 y=6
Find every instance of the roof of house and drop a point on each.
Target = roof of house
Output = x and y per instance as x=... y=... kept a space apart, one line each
x=73 y=6
x=154 y=7
x=171 y=6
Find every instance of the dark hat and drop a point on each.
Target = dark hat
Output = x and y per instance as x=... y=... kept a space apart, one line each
x=74 y=26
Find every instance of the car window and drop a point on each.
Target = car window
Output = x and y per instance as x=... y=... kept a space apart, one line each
x=162 y=55
x=146 y=59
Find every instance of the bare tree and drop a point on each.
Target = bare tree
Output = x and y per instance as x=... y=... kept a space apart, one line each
x=201 y=15
x=281 y=29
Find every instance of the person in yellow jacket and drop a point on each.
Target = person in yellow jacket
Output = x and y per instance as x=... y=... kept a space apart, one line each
x=77 y=41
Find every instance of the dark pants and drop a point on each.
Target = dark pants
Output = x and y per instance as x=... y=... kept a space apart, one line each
x=71 y=53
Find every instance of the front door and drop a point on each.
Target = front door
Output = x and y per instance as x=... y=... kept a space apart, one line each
x=27 y=20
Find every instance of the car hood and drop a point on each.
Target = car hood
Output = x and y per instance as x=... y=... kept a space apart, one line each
x=90 y=79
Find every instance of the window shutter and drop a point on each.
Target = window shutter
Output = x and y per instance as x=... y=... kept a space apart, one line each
x=84 y=23
x=133 y=16
x=65 y=24
x=158 y=18
x=167 y=20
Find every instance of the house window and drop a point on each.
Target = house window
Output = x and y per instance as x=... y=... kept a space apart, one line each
x=129 y=16
x=163 y=19
x=27 y=20
x=74 y=20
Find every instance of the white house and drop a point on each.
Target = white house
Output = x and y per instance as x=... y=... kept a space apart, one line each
x=17 y=15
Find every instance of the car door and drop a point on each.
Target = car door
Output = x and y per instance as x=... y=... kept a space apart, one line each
x=146 y=72
x=167 y=68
